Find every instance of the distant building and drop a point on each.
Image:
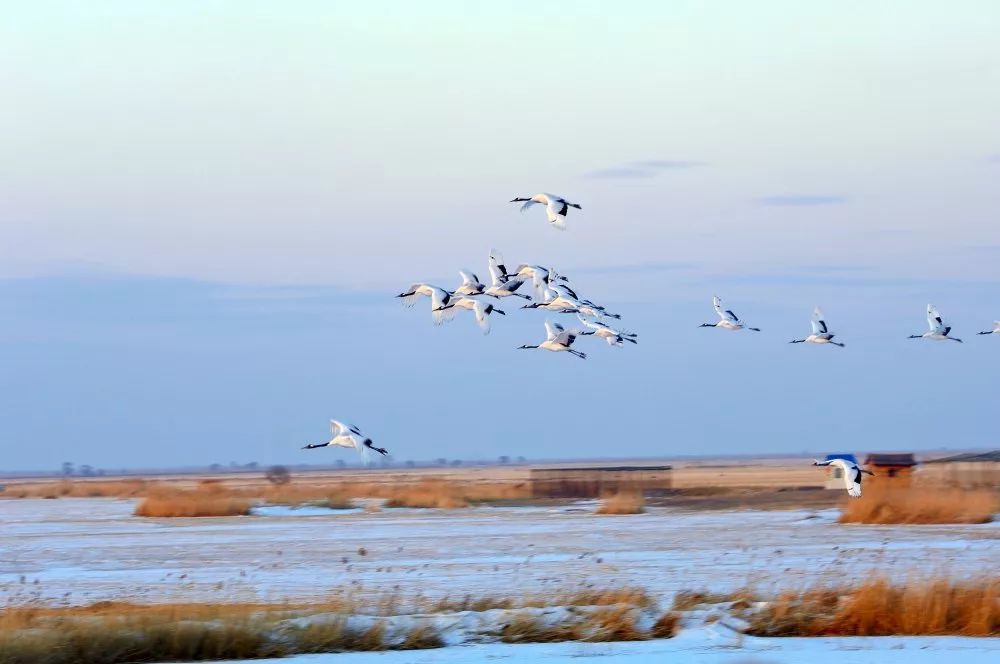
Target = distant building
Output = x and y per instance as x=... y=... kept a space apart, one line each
x=897 y=467
x=834 y=475
x=593 y=482
x=967 y=471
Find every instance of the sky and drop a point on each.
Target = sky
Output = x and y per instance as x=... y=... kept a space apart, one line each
x=206 y=207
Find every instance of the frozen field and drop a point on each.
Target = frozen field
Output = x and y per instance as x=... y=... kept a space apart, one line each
x=83 y=550
x=694 y=648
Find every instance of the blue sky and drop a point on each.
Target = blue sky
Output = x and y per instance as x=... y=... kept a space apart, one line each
x=204 y=207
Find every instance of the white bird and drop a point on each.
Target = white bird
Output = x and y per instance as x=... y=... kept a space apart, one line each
x=995 y=330
x=558 y=339
x=561 y=299
x=347 y=435
x=504 y=284
x=821 y=334
x=581 y=303
x=938 y=330
x=439 y=300
x=727 y=319
x=612 y=336
x=470 y=284
x=556 y=207
x=850 y=473
x=540 y=277
x=481 y=309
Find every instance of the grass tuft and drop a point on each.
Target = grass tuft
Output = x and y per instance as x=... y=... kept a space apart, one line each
x=877 y=607
x=623 y=502
x=920 y=504
x=616 y=623
x=197 y=503
x=666 y=626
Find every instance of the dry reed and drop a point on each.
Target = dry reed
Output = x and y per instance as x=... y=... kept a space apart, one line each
x=666 y=626
x=878 y=607
x=116 y=633
x=202 y=502
x=920 y=504
x=623 y=502
x=78 y=489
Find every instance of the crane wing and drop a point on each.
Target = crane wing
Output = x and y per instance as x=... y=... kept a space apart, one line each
x=498 y=271
x=552 y=330
x=724 y=314
x=819 y=322
x=853 y=480
x=934 y=321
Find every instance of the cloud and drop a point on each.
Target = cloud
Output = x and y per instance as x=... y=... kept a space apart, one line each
x=801 y=200
x=668 y=164
x=636 y=268
x=830 y=267
x=644 y=169
x=621 y=172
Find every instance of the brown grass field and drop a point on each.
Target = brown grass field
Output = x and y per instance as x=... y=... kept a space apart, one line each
x=767 y=484
x=884 y=505
x=118 y=632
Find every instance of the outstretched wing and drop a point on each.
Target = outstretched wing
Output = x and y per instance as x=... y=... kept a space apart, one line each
x=498 y=271
x=934 y=321
x=469 y=278
x=594 y=325
x=819 y=322
x=724 y=314
x=511 y=285
x=552 y=330
x=565 y=338
x=849 y=475
x=410 y=295
x=556 y=211
x=853 y=480
x=440 y=298
x=482 y=318
x=338 y=428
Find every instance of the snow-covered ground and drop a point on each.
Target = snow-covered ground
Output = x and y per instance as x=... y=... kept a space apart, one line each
x=694 y=649
x=82 y=550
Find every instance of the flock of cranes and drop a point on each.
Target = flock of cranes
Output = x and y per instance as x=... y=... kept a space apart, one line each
x=551 y=291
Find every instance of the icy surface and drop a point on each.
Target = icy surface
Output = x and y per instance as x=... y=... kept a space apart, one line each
x=695 y=648
x=82 y=550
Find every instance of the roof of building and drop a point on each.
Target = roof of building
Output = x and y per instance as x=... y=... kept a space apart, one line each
x=845 y=457
x=896 y=459
x=603 y=468
x=970 y=456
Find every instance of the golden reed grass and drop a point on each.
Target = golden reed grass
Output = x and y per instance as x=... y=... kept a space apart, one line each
x=119 y=633
x=201 y=502
x=78 y=489
x=920 y=504
x=878 y=607
x=216 y=499
x=623 y=502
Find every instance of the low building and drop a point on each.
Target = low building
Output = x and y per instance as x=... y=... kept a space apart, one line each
x=897 y=467
x=594 y=482
x=976 y=470
x=834 y=474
